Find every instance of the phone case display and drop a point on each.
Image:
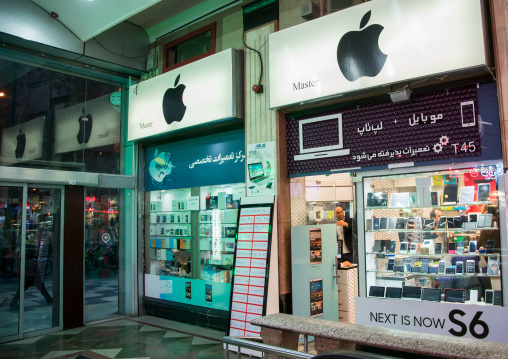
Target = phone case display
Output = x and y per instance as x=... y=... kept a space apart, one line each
x=217 y=234
x=170 y=241
x=446 y=239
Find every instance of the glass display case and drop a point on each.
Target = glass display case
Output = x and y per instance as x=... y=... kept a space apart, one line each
x=433 y=236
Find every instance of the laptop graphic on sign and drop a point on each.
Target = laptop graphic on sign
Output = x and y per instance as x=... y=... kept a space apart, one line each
x=256 y=173
x=321 y=137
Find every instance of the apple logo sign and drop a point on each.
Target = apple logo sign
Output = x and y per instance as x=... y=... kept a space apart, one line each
x=172 y=103
x=20 y=144
x=85 y=127
x=358 y=52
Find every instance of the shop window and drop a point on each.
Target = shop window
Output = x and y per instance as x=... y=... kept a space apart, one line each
x=189 y=48
x=190 y=244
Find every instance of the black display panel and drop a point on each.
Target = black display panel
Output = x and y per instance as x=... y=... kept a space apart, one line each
x=410 y=292
x=393 y=292
x=375 y=291
x=431 y=294
x=455 y=295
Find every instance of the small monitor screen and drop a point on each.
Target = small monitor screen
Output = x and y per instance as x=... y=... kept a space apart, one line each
x=255 y=170
x=375 y=291
x=393 y=292
x=431 y=294
x=330 y=130
x=455 y=295
x=410 y=292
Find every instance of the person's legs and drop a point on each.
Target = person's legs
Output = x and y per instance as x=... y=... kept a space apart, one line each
x=46 y=294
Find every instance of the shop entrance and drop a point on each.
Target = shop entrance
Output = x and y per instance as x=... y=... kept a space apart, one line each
x=30 y=260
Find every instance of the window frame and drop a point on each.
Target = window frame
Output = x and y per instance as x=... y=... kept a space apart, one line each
x=172 y=44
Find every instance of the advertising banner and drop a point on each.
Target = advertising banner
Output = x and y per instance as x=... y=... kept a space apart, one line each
x=432 y=126
x=450 y=319
x=261 y=169
x=204 y=161
x=373 y=44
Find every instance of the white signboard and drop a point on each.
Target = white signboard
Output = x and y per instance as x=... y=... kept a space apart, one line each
x=194 y=94
x=193 y=203
x=23 y=142
x=456 y=320
x=261 y=169
x=377 y=43
x=89 y=124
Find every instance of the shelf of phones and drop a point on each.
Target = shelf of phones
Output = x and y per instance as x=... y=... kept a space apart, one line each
x=443 y=206
x=405 y=274
x=391 y=255
x=456 y=230
x=217 y=248
x=428 y=294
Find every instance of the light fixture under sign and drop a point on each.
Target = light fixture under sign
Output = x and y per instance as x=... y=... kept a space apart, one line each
x=402 y=95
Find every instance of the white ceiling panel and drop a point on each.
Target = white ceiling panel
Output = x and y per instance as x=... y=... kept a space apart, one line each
x=88 y=18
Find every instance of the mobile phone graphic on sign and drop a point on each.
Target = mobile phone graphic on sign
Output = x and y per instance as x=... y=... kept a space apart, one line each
x=208 y=292
x=467 y=114
x=316 y=297
x=315 y=246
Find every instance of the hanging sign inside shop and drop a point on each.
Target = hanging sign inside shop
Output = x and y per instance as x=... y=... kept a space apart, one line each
x=90 y=124
x=201 y=92
x=203 y=161
x=433 y=126
x=22 y=142
x=456 y=320
x=377 y=43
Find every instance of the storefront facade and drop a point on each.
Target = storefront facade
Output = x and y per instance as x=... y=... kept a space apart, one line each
x=438 y=147
x=193 y=186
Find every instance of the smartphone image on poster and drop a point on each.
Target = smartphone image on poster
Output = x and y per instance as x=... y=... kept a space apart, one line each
x=315 y=246
x=208 y=293
x=467 y=113
x=188 y=290
x=316 y=297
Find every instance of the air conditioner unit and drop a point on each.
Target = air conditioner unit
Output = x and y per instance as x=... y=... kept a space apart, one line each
x=309 y=11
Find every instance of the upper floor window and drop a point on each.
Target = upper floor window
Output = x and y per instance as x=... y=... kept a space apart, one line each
x=189 y=48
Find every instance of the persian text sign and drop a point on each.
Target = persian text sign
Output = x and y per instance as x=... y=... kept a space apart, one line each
x=433 y=126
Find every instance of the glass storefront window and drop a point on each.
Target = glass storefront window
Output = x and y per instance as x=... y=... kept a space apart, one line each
x=435 y=235
x=58 y=121
x=191 y=234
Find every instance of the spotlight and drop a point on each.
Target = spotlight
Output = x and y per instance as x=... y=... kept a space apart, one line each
x=402 y=95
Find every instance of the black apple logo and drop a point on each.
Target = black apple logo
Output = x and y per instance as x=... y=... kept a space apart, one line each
x=85 y=127
x=20 y=144
x=358 y=52
x=172 y=103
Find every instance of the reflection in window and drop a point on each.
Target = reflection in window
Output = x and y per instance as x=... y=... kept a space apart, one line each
x=57 y=121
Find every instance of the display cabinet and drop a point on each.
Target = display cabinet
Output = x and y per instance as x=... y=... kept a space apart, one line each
x=433 y=236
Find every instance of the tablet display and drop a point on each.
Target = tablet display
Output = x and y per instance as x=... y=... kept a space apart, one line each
x=375 y=291
x=431 y=294
x=393 y=292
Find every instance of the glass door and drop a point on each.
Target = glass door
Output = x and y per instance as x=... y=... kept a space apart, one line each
x=42 y=259
x=30 y=278
x=11 y=213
